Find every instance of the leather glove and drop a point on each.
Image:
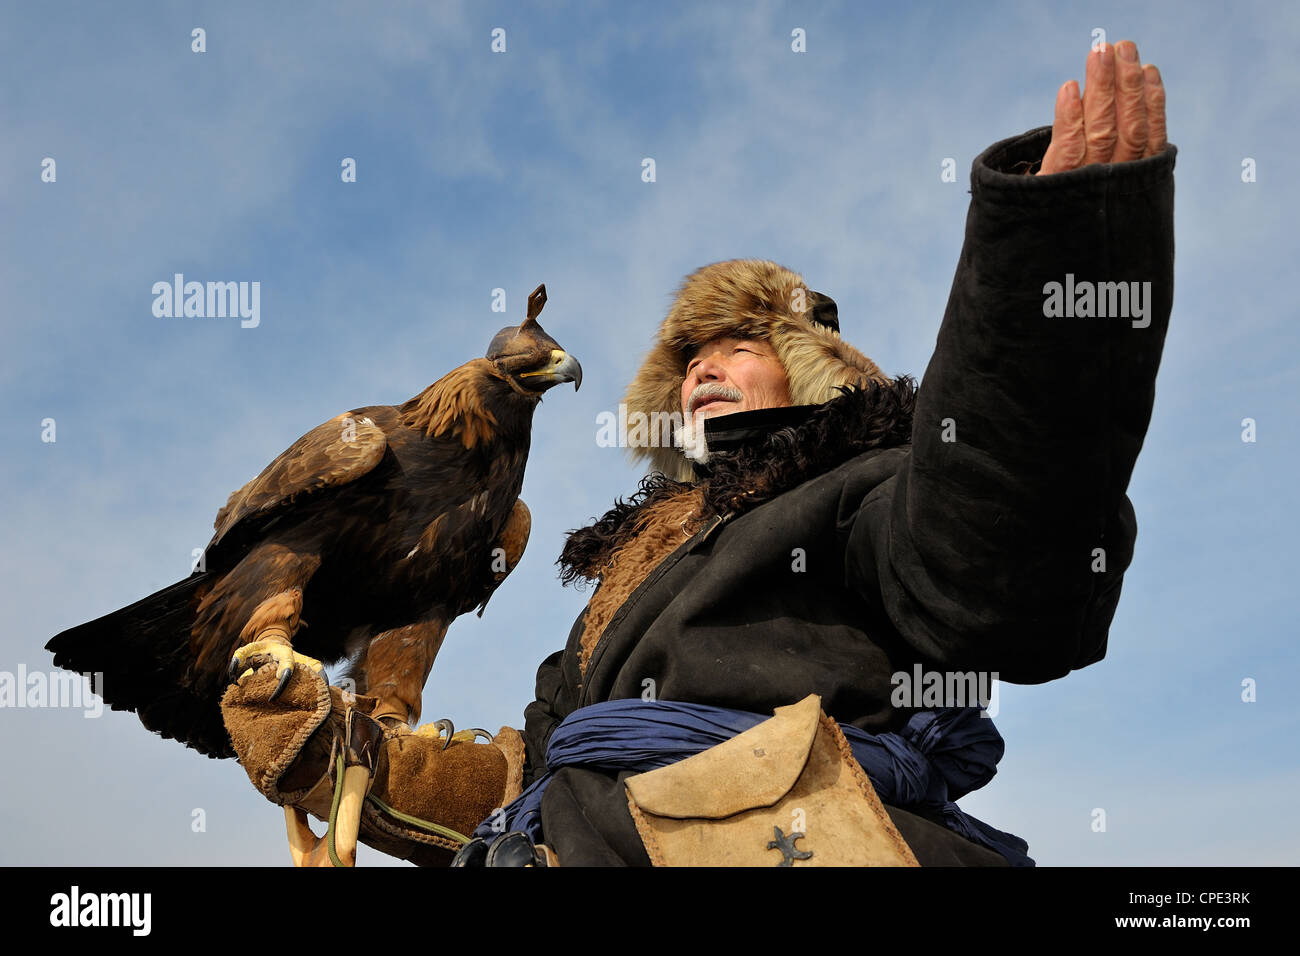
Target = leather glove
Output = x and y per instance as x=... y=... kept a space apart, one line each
x=419 y=797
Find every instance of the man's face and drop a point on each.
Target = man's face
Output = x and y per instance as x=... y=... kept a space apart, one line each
x=733 y=375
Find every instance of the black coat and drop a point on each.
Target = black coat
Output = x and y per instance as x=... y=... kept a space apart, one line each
x=973 y=547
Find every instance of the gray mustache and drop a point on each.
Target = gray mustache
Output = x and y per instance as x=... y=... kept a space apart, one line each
x=713 y=390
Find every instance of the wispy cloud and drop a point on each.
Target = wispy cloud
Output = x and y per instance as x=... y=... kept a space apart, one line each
x=479 y=170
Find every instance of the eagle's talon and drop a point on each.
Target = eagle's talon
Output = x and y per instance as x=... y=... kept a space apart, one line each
x=283 y=682
x=445 y=731
x=279 y=653
x=449 y=727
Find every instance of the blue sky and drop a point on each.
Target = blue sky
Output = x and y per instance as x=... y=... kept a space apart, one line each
x=478 y=170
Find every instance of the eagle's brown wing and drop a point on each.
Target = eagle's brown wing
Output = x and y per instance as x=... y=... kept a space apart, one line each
x=339 y=451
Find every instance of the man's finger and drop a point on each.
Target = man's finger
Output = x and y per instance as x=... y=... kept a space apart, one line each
x=1154 y=90
x=1065 y=151
x=1130 y=104
x=1099 y=105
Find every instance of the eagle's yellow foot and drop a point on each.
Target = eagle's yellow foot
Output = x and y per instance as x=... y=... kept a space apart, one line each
x=438 y=728
x=278 y=650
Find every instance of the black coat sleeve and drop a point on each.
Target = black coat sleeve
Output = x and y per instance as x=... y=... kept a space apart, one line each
x=982 y=549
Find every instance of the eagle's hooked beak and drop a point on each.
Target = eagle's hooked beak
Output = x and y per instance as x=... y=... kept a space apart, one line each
x=562 y=367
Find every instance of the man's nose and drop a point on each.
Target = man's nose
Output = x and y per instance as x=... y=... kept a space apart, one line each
x=708 y=370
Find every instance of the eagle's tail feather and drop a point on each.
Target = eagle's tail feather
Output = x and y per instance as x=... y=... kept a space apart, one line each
x=138 y=658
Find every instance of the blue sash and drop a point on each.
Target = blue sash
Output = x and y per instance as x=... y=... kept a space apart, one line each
x=938 y=757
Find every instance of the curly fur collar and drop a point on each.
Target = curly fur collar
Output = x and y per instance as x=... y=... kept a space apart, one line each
x=860 y=419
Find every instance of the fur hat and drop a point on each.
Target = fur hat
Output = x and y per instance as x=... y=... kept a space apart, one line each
x=745 y=298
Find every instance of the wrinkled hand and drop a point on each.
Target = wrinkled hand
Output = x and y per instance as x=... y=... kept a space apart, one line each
x=1121 y=116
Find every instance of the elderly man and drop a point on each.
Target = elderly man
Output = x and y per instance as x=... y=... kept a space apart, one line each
x=818 y=529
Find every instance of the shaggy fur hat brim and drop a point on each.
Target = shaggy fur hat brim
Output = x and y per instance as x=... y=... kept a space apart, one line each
x=743 y=298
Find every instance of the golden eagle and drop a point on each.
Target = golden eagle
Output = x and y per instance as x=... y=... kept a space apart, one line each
x=372 y=532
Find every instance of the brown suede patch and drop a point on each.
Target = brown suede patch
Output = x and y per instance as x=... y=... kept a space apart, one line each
x=661 y=530
x=457 y=787
x=268 y=735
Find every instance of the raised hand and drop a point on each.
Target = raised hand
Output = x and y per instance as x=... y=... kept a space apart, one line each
x=1120 y=117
